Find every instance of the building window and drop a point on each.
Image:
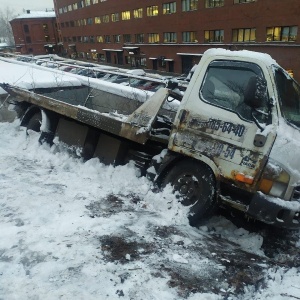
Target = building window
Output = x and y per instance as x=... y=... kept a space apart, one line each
x=75 y=6
x=97 y=20
x=243 y=1
x=45 y=27
x=153 y=38
x=107 y=38
x=80 y=4
x=189 y=37
x=125 y=15
x=244 y=35
x=138 y=13
x=95 y=1
x=87 y=2
x=60 y=11
x=282 y=34
x=83 y=22
x=117 y=38
x=188 y=5
x=214 y=3
x=139 y=38
x=89 y=21
x=211 y=36
x=26 y=28
x=105 y=18
x=115 y=17
x=74 y=39
x=152 y=11
x=70 y=7
x=170 y=37
x=169 y=8
x=99 y=39
x=127 y=38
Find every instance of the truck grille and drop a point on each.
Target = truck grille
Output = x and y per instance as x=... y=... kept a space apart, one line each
x=296 y=194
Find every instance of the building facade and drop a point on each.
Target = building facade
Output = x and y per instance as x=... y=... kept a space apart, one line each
x=35 y=32
x=170 y=36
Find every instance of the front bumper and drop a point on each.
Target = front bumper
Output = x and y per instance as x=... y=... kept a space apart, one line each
x=267 y=210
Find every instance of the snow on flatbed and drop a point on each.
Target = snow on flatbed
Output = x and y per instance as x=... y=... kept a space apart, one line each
x=81 y=230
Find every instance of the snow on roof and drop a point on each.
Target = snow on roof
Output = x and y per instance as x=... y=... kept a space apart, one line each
x=28 y=76
x=266 y=58
x=37 y=14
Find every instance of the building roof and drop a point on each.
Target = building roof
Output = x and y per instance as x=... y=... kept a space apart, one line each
x=36 y=14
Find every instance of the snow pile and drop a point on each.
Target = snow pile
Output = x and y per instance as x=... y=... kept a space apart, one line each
x=81 y=230
x=29 y=77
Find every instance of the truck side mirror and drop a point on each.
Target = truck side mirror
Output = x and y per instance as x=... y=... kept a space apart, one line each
x=255 y=94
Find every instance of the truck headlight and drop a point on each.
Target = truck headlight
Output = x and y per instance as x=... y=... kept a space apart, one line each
x=274 y=180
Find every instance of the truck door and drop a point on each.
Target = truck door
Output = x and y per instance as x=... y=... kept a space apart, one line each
x=215 y=124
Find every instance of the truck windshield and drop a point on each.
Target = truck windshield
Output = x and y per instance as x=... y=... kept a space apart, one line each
x=289 y=97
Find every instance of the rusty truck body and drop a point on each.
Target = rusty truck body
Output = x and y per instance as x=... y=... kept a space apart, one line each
x=231 y=139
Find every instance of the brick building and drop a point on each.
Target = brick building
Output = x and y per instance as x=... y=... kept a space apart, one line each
x=171 y=35
x=35 y=32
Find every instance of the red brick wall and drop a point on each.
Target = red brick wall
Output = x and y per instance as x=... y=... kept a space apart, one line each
x=259 y=14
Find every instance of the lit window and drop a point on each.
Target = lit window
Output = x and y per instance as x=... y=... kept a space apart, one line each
x=115 y=17
x=87 y=2
x=95 y=1
x=153 y=38
x=188 y=5
x=126 y=15
x=97 y=20
x=105 y=18
x=70 y=8
x=283 y=34
x=214 y=3
x=169 y=8
x=75 y=6
x=138 y=13
x=152 y=11
x=244 y=35
x=211 y=36
x=189 y=37
x=99 y=39
x=170 y=37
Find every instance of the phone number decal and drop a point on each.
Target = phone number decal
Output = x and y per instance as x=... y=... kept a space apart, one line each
x=218 y=125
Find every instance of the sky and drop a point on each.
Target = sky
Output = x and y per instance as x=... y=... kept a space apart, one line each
x=19 y=5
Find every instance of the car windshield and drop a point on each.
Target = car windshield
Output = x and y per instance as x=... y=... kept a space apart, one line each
x=289 y=97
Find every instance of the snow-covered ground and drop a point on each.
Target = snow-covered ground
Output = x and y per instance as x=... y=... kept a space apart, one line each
x=81 y=230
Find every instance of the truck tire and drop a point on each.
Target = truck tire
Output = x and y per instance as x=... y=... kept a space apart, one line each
x=35 y=122
x=196 y=187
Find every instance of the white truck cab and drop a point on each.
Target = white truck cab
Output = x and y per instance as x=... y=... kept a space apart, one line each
x=240 y=115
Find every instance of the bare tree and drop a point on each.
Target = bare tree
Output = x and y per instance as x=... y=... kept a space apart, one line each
x=6 y=15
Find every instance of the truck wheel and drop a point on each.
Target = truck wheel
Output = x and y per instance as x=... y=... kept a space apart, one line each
x=35 y=122
x=195 y=184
